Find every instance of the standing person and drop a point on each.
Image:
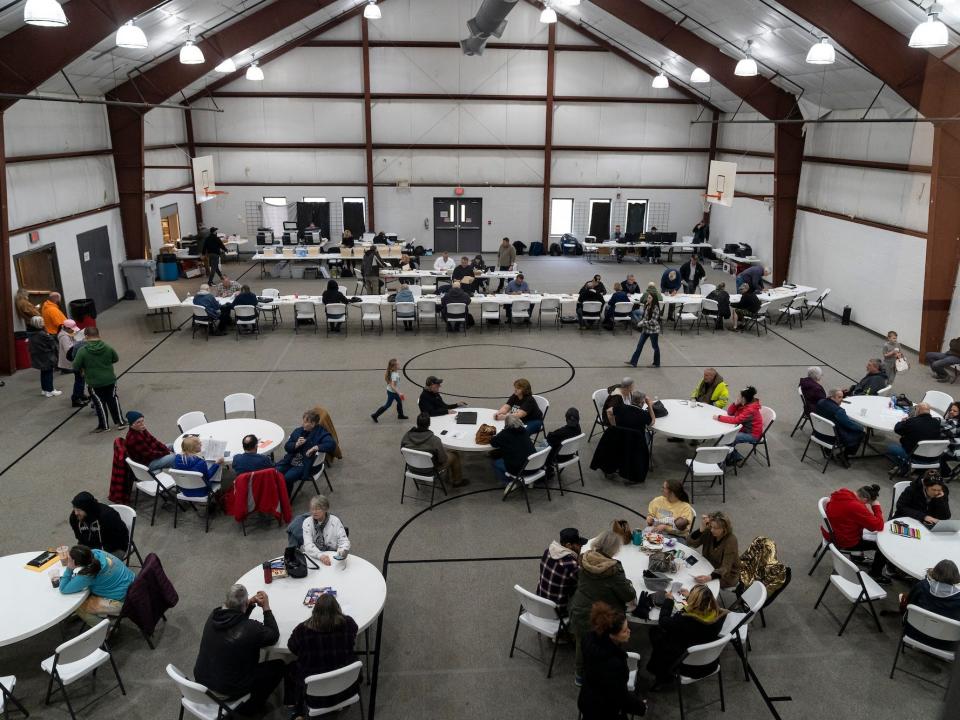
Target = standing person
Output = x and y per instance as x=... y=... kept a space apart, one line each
x=96 y=360
x=211 y=249
x=649 y=325
x=392 y=378
x=691 y=273
x=506 y=257
x=104 y=575
x=43 y=357
x=559 y=567
x=53 y=316
x=720 y=295
x=940 y=361
x=753 y=276
x=69 y=340
x=701 y=232
x=370 y=269
x=926 y=500
x=27 y=311
x=891 y=352
x=604 y=694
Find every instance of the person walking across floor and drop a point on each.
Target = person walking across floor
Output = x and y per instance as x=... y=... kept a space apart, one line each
x=96 y=360
x=649 y=325
x=370 y=269
x=392 y=378
x=212 y=249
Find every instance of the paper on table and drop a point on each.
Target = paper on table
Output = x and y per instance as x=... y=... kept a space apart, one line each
x=213 y=448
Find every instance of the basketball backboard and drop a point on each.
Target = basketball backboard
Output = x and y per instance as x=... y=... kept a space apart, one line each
x=204 y=182
x=721 y=183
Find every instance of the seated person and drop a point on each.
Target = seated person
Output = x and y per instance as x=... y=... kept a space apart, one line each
x=479 y=267
x=630 y=285
x=323 y=642
x=518 y=286
x=691 y=273
x=408 y=263
x=514 y=446
x=432 y=403
x=189 y=459
x=921 y=426
x=950 y=430
x=570 y=429
x=850 y=515
x=444 y=263
x=849 y=432
x=718 y=545
x=455 y=295
x=711 y=390
x=216 y=313
x=604 y=693
x=598 y=284
x=245 y=297
x=720 y=295
x=228 y=662
x=588 y=293
x=380 y=238
x=143 y=447
x=559 y=567
x=302 y=448
x=938 y=592
x=811 y=390
x=405 y=295
x=523 y=405
x=624 y=447
x=463 y=269
x=225 y=288
x=250 y=460
x=469 y=285
x=749 y=304
x=619 y=296
x=333 y=295
x=423 y=439
x=700 y=622
x=927 y=500
x=873 y=382
x=98 y=526
x=671 y=513
x=753 y=276
x=745 y=412
x=323 y=532
x=105 y=576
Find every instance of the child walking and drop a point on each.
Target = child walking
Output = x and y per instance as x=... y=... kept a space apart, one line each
x=392 y=378
x=891 y=353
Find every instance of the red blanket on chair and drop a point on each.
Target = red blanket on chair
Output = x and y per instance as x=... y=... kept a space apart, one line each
x=263 y=491
x=121 y=477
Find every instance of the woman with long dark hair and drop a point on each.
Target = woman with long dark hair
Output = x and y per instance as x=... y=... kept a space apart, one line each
x=604 y=695
x=104 y=575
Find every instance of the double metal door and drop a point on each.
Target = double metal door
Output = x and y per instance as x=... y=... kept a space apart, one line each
x=458 y=225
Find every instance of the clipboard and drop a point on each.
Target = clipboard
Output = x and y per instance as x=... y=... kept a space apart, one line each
x=43 y=561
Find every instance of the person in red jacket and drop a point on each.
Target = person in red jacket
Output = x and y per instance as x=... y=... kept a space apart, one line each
x=850 y=515
x=745 y=412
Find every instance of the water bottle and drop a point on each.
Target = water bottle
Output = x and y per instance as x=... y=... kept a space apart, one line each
x=267 y=573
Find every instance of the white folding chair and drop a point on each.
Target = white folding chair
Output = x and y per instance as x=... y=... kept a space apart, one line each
x=7 y=686
x=189 y=480
x=129 y=517
x=404 y=312
x=245 y=318
x=151 y=484
x=599 y=398
x=622 y=313
x=818 y=303
x=419 y=467
x=804 y=415
x=707 y=288
x=304 y=311
x=370 y=313
x=757 y=319
x=570 y=450
x=200 y=319
x=549 y=307
x=427 y=310
x=792 y=310
x=826 y=534
x=898 y=488
x=823 y=432
x=520 y=312
x=238 y=403
x=688 y=312
x=708 y=462
x=78 y=658
x=753 y=598
x=591 y=311
x=457 y=316
x=188 y=421
x=926 y=456
x=709 y=311
x=769 y=417
x=932 y=625
x=490 y=312
x=534 y=470
x=543 y=617
x=706 y=655
x=885 y=391
x=855 y=585
x=199 y=701
x=336 y=314
x=544 y=405
x=272 y=307
x=939 y=401
x=333 y=683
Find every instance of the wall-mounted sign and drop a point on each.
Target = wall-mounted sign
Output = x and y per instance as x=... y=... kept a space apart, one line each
x=34 y=237
x=458 y=190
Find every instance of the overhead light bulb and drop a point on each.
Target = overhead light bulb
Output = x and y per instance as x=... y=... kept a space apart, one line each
x=747 y=67
x=699 y=75
x=227 y=66
x=548 y=16
x=931 y=33
x=822 y=53
x=254 y=72
x=372 y=11
x=660 y=82
x=44 y=13
x=190 y=54
x=130 y=36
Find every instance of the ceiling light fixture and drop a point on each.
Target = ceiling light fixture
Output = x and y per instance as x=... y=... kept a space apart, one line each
x=44 y=13
x=699 y=75
x=190 y=54
x=747 y=67
x=822 y=53
x=548 y=16
x=227 y=66
x=931 y=33
x=660 y=82
x=130 y=36
x=372 y=11
x=254 y=72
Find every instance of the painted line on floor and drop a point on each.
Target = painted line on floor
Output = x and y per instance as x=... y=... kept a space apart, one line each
x=505 y=558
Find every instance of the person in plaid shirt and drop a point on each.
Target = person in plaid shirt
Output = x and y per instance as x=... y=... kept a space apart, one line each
x=558 y=568
x=143 y=447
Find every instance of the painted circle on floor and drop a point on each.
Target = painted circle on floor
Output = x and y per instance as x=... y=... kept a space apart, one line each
x=470 y=372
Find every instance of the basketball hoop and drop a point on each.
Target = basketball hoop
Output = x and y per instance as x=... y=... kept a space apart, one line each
x=718 y=196
x=214 y=193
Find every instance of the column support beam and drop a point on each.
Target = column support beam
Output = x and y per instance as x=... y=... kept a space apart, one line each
x=548 y=134
x=126 y=137
x=192 y=149
x=7 y=357
x=368 y=122
x=787 y=162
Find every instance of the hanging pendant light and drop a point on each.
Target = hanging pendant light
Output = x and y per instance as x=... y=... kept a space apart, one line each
x=931 y=33
x=660 y=82
x=548 y=16
x=372 y=11
x=747 y=67
x=190 y=54
x=822 y=53
x=254 y=72
x=44 y=13
x=227 y=66
x=699 y=76
x=130 y=36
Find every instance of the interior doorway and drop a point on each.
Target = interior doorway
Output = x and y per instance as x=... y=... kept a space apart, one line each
x=38 y=272
x=170 y=223
x=458 y=225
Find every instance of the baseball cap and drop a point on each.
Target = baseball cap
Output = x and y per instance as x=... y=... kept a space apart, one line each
x=433 y=380
x=70 y=325
x=571 y=536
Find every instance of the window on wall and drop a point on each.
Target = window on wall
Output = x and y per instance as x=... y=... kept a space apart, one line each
x=561 y=216
x=354 y=215
x=636 y=217
x=314 y=199
x=275 y=201
x=600 y=219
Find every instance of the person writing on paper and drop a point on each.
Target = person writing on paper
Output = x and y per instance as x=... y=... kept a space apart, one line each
x=190 y=459
x=671 y=512
x=105 y=576
x=302 y=448
x=753 y=276
x=719 y=546
x=444 y=263
x=98 y=526
x=691 y=274
x=938 y=592
x=250 y=460
x=518 y=286
x=323 y=532
x=926 y=500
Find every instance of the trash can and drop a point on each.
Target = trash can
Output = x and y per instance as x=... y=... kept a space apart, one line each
x=84 y=312
x=21 y=344
x=167 y=267
x=139 y=274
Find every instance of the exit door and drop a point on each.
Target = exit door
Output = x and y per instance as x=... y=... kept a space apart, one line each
x=458 y=225
x=96 y=267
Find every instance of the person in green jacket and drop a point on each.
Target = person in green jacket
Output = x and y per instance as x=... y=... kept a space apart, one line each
x=711 y=390
x=95 y=360
x=600 y=578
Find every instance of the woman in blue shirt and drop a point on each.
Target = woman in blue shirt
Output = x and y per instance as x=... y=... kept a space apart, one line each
x=104 y=575
x=189 y=458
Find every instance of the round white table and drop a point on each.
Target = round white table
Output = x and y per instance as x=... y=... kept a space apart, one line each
x=233 y=431
x=461 y=437
x=29 y=604
x=687 y=422
x=361 y=592
x=873 y=411
x=915 y=557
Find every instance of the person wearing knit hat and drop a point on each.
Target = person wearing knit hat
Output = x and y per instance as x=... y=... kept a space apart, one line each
x=143 y=447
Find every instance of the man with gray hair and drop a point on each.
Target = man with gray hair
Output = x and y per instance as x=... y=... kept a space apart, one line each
x=849 y=432
x=205 y=299
x=228 y=662
x=873 y=382
x=811 y=390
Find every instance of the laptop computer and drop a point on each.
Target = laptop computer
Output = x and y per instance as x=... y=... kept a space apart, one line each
x=466 y=418
x=946 y=526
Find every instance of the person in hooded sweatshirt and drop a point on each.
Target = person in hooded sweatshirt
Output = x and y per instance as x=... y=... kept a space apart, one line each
x=602 y=578
x=559 y=567
x=98 y=526
x=938 y=592
x=228 y=662
x=850 y=514
x=95 y=360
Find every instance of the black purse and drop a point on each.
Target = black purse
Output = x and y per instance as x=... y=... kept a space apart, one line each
x=659 y=410
x=296 y=563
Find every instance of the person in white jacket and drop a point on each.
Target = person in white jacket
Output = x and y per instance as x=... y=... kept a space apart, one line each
x=323 y=532
x=444 y=263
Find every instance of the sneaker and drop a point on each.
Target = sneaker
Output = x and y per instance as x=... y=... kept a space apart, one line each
x=53 y=393
x=121 y=426
x=627 y=362
x=511 y=486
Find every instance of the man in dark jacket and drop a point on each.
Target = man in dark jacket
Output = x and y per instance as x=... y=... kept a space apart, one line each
x=98 y=526
x=211 y=249
x=630 y=285
x=913 y=430
x=302 y=448
x=618 y=296
x=229 y=659
x=556 y=437
x=849 y=433
x=432 y=403
x=370 y=268
x=216 y=312
x=455 y=295
x=873 y=382
x=748 y=303
x=691 y=274
x=250 y=460
x=514 y=448
x=588 y=293
x=43 y=356
x=940 y=361
x=423 y=439
x=926 y=500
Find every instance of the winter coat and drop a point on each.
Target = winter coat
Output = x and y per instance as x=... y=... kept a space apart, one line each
x=95 y=359
x=812 y=393
x=600 y=578
x=43 y=351
x=747 y=416
x=723 y=554
x=149 y=596
x=263 y=491
x=674 y=635
x=230 y=650
x=604 y=695
x=515 y=447
x=849 y=517
x=719 y=395
x=914 y=503
x=102 y=527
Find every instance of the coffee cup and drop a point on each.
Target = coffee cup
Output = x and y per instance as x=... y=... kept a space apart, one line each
x=64 y=552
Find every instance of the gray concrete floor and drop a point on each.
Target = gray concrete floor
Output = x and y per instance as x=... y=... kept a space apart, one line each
x=447 y=625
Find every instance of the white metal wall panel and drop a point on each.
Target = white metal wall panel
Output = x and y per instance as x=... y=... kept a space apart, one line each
x=163 y=126
x=166 y=179
x=328 y=166
x=749 y=221
x=33 y=128
x=571 y=168
x=173 y=156
x=451 y=122
x=752 y=136
x=467 y=167
x=46 y=190
x=897 y=143
x=307 y=69
x=349 y=30
x=281 y=120
x=628 y=125
x=580 y=73
x=569 y=36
